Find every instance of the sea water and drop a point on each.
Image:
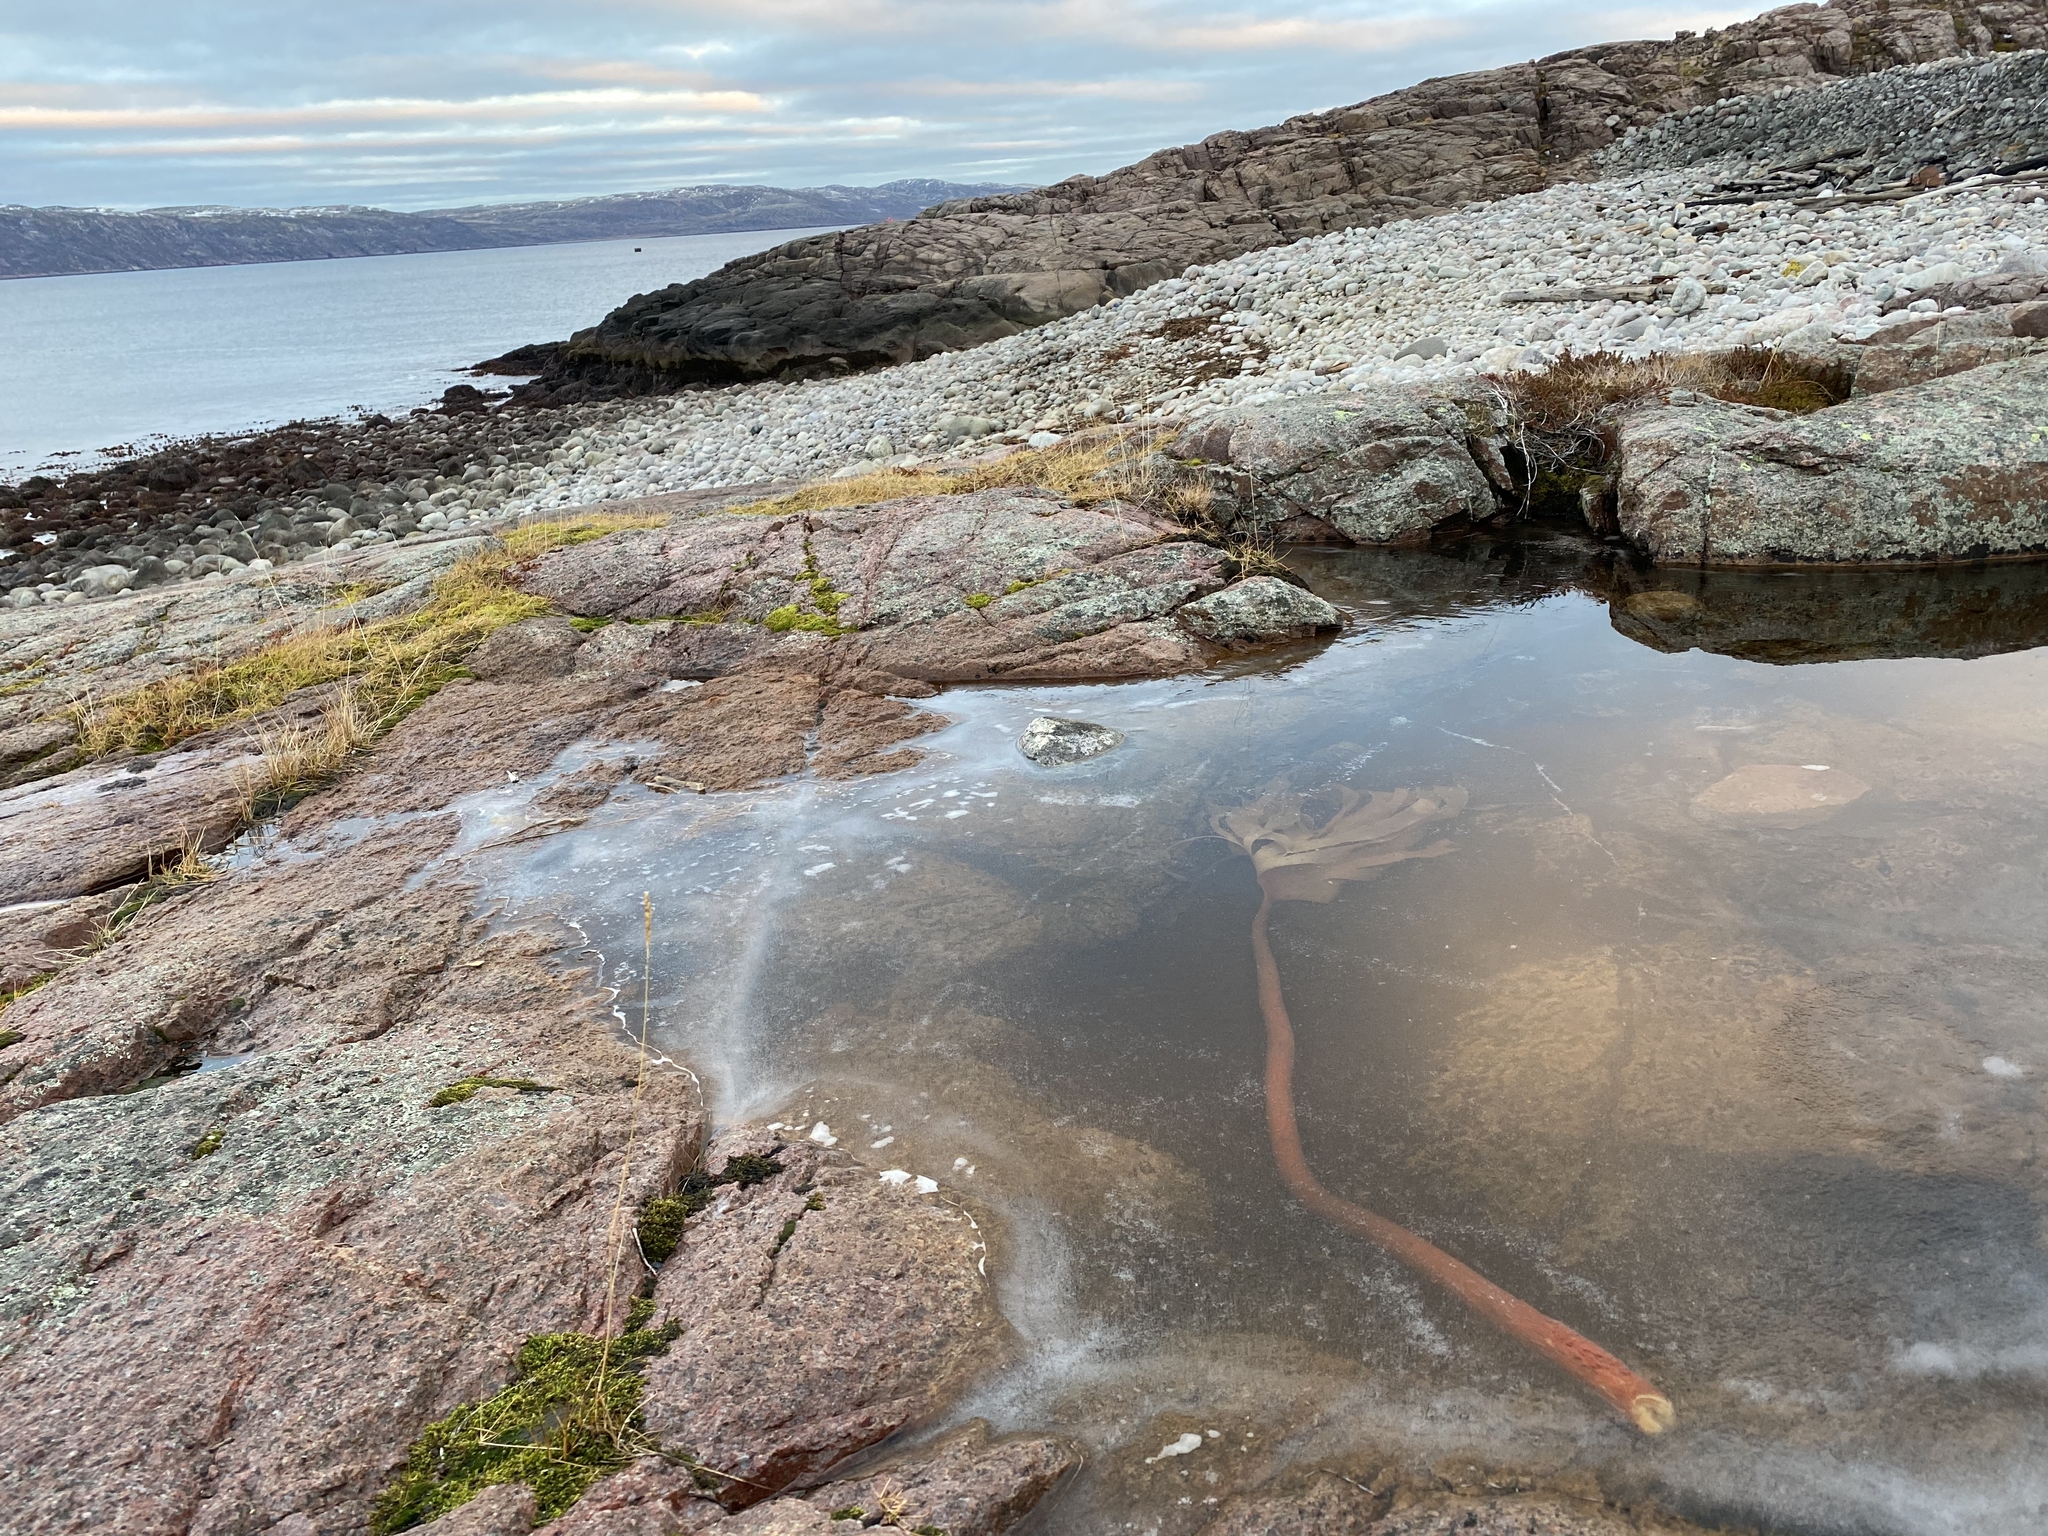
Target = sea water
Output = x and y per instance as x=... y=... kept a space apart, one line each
x=115 y=359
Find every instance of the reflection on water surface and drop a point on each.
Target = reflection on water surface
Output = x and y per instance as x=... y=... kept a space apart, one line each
x=1719 y=1033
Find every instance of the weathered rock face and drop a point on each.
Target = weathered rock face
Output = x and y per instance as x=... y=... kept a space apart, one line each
x=1376 y=469
x=860 y=1301
x=38 y=937
x=238 y=1295
x=968 y=272
x=1942 y=347
x=1956 y=469
x=999 y=583
x=967 y=1483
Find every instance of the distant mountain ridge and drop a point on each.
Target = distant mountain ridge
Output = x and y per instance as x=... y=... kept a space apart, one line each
x=52 y=242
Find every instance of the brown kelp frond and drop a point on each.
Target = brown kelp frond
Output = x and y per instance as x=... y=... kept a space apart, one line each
x=1304 y=846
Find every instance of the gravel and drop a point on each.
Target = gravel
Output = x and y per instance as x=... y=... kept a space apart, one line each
x=1968 y=115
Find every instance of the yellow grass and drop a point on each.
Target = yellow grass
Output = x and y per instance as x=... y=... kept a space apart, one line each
x=388 y=666
x=1087 y=469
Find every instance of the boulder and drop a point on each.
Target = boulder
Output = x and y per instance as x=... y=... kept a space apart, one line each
x=1955 y=469
x=1378 y=469
x=1052 y=742
x=970 y=271
x=1259 y=610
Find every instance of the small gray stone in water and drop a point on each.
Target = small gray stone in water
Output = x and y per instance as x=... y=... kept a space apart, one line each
x=1259 y=608
x=1052 y=742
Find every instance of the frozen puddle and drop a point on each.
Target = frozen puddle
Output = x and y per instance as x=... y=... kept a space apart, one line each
x=1714 y=1031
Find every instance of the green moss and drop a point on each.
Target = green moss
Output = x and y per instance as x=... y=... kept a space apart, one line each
x=748 y=1169
x=978 y=599
x=781 y=1238
x=571 y=1414
x=11 y=1036
x=464 y=1089
x=815 y=1203
x=825 y=601
x=661 y=1226
x=208 y=1144
x=663 y=1219
x=589 y=626
x=850 y=1512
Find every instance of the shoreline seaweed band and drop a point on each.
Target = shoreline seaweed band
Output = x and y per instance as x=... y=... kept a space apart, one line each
x=1300 y=858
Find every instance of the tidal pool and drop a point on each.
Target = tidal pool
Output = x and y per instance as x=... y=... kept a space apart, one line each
x=1719 y=1033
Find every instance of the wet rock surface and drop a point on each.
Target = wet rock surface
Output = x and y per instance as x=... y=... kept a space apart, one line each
x=964 y=273
x=1952 y=469
x=862 y=1300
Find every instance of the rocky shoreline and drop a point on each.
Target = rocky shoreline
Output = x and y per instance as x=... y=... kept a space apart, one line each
x=321 y=1155
x=1784 y=253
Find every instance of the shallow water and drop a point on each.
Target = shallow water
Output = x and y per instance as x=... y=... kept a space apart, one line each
x=117 y=358
x=1739 y=1077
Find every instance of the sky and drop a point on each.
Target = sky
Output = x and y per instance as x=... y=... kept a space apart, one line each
x=440 y=103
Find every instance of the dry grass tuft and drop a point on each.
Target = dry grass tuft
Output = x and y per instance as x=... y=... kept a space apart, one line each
x=537 y=538
x=389 y=666
x=172 y=875
x=1087 y=469
x=1256 y=555
x=298 y=757
x=1565 y=415
x=1577 y=394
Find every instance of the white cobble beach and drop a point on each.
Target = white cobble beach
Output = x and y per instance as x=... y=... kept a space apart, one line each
x=1421 y=301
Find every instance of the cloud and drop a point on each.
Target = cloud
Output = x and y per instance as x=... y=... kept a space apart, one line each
x=411 y=102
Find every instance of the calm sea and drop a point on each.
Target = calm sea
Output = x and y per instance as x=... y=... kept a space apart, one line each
x=118 y=358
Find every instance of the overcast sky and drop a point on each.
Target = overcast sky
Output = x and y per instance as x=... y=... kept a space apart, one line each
x=425 y=103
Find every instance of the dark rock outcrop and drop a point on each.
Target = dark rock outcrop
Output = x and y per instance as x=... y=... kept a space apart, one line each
x=1955 y=469
x=971 y=271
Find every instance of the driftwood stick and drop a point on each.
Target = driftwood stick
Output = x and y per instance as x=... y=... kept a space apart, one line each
x=1636 y=1398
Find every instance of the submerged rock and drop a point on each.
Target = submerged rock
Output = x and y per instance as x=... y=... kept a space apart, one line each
x=1257 y=610
x=1052 y=742
x=1956 y=469
x=1782 y=794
